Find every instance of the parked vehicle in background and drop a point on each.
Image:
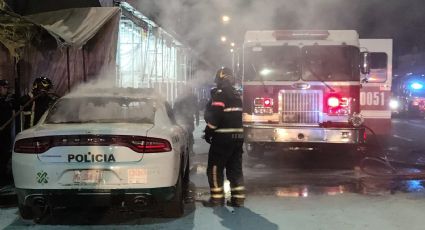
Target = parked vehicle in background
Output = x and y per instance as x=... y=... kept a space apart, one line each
x=103 y=147
x=409 y=95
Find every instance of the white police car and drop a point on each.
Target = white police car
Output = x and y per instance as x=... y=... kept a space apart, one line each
x=103 y=148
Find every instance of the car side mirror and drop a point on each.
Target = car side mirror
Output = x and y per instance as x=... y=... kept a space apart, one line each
x=365 y=62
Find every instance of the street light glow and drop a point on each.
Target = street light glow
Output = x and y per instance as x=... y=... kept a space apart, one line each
x=225 y=19
x=223 y=38
x=232 y=44
x=265 y=72
x=231 y=50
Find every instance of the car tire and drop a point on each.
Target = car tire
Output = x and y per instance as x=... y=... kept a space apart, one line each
x=25 y=212
x=175 y=207
x=186 y=178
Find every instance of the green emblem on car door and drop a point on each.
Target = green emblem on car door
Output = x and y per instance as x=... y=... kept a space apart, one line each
x=42 y=177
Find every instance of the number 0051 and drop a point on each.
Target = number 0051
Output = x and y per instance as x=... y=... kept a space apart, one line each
x=372 y=98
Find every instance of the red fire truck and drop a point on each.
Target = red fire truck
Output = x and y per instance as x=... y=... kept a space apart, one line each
x=301 y=89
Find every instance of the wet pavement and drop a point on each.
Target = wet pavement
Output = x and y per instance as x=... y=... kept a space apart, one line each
x=288 y=183
x=296 y=173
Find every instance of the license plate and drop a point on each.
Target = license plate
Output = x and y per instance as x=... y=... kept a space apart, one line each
x=137 y=176
x=87 y=176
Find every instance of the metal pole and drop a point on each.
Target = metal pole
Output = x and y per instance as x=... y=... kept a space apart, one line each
x=68 y=69
x=16 y=127
x=84 y=65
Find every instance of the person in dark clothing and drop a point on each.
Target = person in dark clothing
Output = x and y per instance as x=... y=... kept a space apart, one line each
x=225 y=134
x=7 y=110
x=37 y=102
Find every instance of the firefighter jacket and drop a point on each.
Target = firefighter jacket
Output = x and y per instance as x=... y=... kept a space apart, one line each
x=224 y=114
x=34 y=107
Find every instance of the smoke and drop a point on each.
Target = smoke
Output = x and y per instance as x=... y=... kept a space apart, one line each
x=198 y=21
x=101 y=101
x=106 y=79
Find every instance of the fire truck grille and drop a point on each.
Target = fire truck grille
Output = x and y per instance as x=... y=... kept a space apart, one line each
x=301 y=106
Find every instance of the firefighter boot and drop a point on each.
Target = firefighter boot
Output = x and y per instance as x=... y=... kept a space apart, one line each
x=214 y=202
x=238 y=197
x=235 y=202
x=217 y=198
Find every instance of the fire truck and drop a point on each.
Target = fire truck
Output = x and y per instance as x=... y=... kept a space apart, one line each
x=375 y=94
x=301 y=89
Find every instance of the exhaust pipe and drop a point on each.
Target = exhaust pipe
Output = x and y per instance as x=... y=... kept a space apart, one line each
x=40 y=206
x=39 y=201
x=140 y=203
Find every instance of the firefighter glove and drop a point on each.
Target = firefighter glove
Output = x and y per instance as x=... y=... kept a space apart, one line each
x=208 y=134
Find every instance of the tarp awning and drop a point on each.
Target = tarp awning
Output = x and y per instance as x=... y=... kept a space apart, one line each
x=70 y=27
x=74 y=27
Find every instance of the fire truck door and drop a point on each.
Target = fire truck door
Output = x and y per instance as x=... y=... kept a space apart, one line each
x=375 y=93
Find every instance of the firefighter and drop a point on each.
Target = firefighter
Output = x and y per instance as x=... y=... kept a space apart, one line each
x=7 y=110
x=225 y=134
x=36 y=102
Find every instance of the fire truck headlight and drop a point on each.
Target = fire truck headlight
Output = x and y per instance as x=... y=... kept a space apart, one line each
x=356 y=120
x=394 y=104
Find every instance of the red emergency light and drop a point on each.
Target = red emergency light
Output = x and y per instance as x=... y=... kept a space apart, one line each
x=263 y=102
x=333 y=102
x=300 y=34
x=338 y=105
x=267 y=102
x=263 y=105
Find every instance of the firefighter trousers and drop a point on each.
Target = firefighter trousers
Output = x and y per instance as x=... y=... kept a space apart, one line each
x=226 y=156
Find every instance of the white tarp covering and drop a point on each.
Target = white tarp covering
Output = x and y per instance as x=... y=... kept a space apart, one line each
x=74 y=27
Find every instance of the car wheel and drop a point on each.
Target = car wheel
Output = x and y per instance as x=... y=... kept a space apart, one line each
x=186 y=177
x=175 y=207
x=255 y=150
x=25 y=212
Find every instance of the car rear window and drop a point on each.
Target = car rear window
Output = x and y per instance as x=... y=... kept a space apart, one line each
x=102 y=110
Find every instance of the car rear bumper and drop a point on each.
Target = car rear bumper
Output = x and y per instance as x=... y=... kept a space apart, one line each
x=279 y=134
x=95 y=198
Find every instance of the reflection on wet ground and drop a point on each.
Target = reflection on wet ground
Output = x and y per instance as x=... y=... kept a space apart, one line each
x=303 y=174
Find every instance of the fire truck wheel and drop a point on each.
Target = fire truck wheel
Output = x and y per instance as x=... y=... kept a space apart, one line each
x=255 y=150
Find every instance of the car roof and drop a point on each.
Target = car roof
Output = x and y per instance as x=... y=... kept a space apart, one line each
x=147 y=93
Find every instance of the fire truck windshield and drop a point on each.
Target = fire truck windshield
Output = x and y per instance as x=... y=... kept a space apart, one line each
x=311 y=63
x=330 y=63
x=271 y=63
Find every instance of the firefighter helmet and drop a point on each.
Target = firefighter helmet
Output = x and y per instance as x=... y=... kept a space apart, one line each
x=42 y=84
x=224 y=76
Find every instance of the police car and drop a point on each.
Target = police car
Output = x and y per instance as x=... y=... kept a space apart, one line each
x=103 y=148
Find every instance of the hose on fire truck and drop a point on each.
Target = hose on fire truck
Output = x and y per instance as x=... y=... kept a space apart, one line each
x=392 y=169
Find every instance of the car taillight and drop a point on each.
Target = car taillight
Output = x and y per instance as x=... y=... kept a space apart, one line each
x=263 y=105
x=138 y=144
x=33 y=145
x=337 y=105
x=150 y=145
